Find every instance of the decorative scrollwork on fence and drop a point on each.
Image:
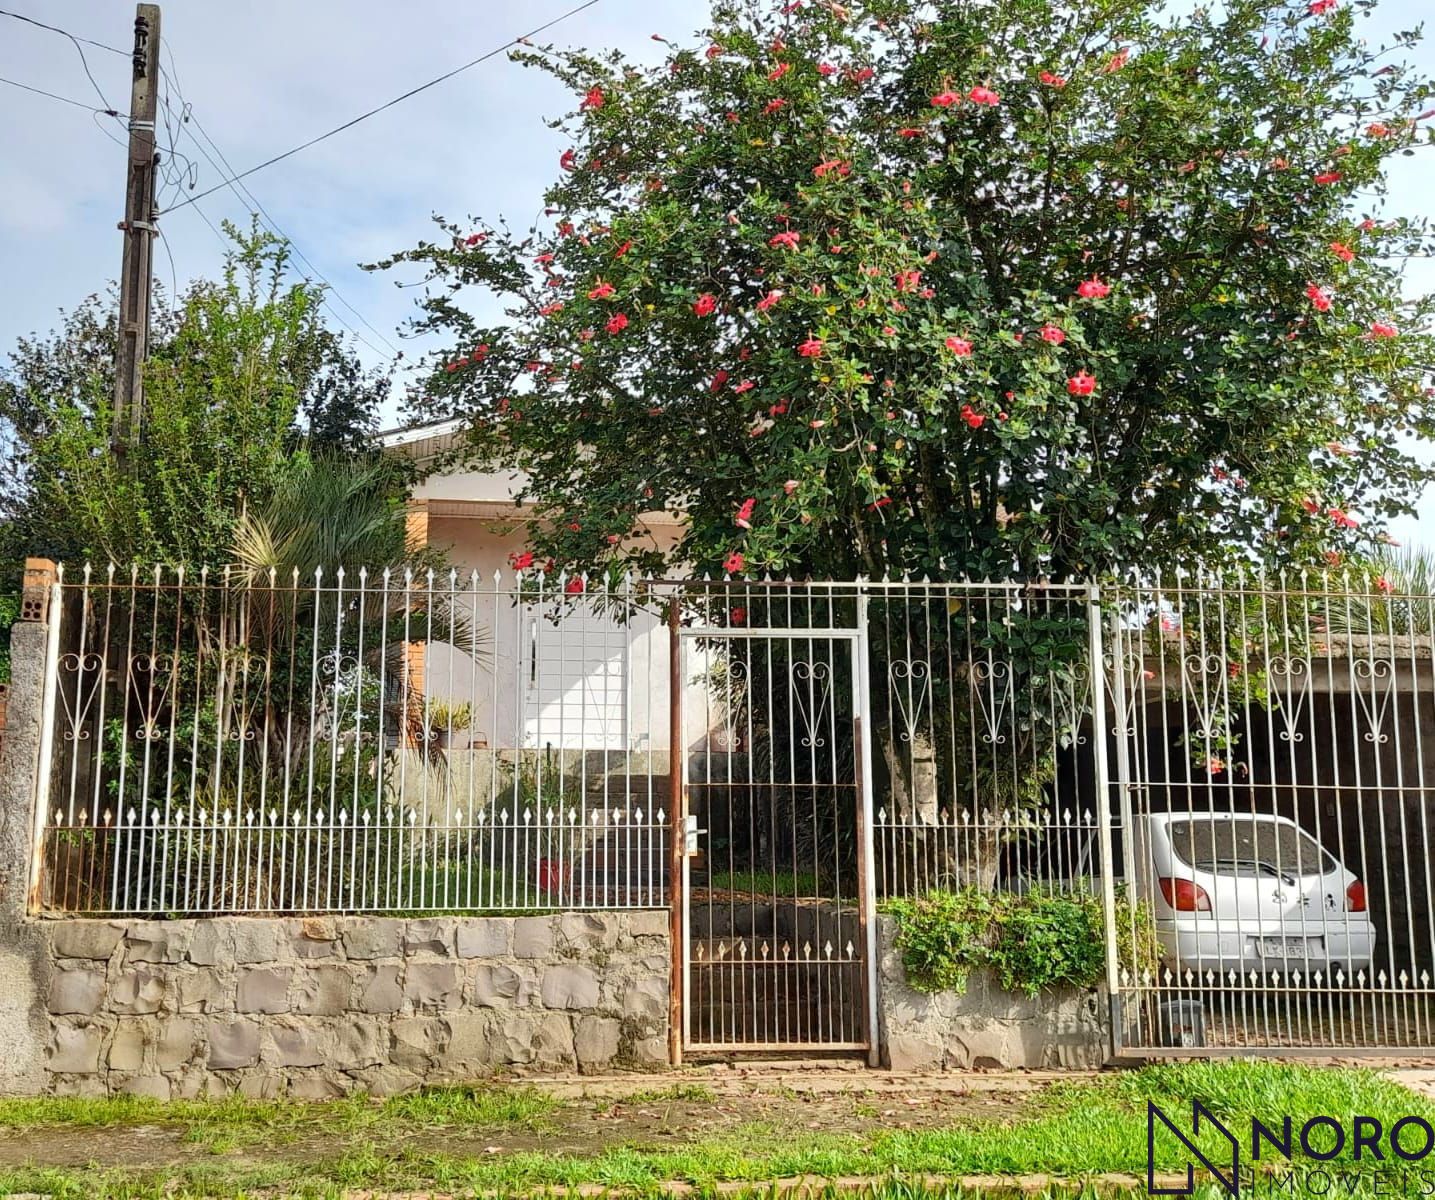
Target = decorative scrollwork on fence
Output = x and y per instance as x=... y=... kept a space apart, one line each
x=910 y=680
x=88 y=671
x=812 y=693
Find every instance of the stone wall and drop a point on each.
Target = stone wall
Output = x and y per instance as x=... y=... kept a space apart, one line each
x=318 y=1007
x=985 y=1026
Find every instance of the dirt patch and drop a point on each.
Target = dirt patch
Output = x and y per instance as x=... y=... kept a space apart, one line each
x=659 y=1114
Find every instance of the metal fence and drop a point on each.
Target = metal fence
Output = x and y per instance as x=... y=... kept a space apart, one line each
x=1236 y=766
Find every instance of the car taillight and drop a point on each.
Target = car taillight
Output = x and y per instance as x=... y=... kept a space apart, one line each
x=1184 y=895
x=1355 y=897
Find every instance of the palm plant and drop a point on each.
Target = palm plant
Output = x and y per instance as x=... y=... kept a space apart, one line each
x=1399 y=599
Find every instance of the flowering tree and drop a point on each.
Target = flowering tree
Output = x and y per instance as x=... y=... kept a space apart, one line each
x=1031 y=289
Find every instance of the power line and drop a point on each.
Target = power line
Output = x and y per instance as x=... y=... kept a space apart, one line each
x=235 y=186
x=104 y=112
x=79 y=49
x=269 y=162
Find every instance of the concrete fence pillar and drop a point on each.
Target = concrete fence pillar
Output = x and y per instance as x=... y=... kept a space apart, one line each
x=24 y=964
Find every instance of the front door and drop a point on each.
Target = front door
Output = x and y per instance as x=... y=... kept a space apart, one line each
x=776 y=914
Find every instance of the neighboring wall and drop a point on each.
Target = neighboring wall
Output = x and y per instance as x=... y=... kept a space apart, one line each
x=318 y=1007
x=985 y=1027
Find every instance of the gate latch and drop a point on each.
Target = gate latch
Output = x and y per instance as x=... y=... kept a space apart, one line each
x=690 y=834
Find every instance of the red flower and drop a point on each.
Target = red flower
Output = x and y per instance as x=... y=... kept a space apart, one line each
x=862 y=75
x=475 y=239
x=549 y=310
x=1081 y=384
x=719 y=382
x=1342 y=519
x=1318 y=8
x=543 y=259
x=984 y=95
x=705 y=305
x=826 y=68
x=1328 y=177
x=1093 y=289
x=713 y=51
x=1342 y=251
x=788 y=239
x=768 y=301
x=743 y=520
x=480 y=353
x=832 y=164
x=745 y=386
x=602 y=291
x=1116 y=61
x=811 y=348
x=594 y=99
x=1318 y=297
x=945 y=99
x=880 y=504
x=568 y=159
x=732 y=564
x=623 y=249
x=617 y=323
x=779 y=71
x=1385 y=585
x=972 y=417
x=910 y=132
x=1056 y=81
x=772 y=106
x=739 y=615
x=1383 y=329
x=1378 y=129
x=907 y=281
x=521 y=561
x=959 y=346
x=1054 y=334
x=574 y=586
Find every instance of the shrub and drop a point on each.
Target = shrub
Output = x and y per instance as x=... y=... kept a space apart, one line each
x=1031 y=941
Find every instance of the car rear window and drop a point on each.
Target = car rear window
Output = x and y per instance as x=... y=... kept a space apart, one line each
x=1247 y=846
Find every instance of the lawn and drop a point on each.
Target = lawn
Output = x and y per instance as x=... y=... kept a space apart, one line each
x=505 y=1140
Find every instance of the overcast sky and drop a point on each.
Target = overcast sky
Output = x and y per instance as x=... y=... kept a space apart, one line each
x=264 y=75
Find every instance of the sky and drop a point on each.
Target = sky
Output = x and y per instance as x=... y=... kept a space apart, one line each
x=264 y=75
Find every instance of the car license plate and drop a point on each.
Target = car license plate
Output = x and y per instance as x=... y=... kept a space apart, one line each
x=1285 y=947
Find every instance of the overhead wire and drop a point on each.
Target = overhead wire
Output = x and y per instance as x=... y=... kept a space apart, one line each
x=107 y=112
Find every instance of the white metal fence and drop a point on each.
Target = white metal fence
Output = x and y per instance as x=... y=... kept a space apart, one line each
x=1242 y=777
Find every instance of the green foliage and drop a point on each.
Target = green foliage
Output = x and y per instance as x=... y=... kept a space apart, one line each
x=243 y=380
x=1202 y=162
x=9 y=610
x=1031 y=940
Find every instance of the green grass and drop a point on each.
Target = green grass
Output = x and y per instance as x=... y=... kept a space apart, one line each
x=1076 y=1130
x=766 y=883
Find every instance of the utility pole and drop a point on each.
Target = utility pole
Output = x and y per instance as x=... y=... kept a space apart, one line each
x=139 y=230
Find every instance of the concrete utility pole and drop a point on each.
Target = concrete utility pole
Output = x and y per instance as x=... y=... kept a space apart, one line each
x=139 y=230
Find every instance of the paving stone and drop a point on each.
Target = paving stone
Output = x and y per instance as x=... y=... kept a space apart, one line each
x=646 y=999
x=178 y=1044
x=372 y=937
x=137 y=992
x=264 y=990
x=156 y=1087
x=586 y=932
x=648 y=924
x=496 y=986
x=76 y=1050
x=596 y=1040
x=296 y=1046
x=127 y=1046
x=323 y=991
x=359 y=1042
x=381 y=989
x=84 y=939
x=533 y=937
x=204 y=991
x=433 y=985
x=570 y=986
x=418 y=1042
x=76 y=991
x=431 y=936
x=255 y=940
x=485 y=937
x=232 y=1044
x=158 y=941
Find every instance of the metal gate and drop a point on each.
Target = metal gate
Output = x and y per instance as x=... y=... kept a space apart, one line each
x=775 y=908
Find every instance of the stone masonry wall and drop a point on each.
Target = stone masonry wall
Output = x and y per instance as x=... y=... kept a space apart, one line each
x=984 y=1026
x=318 y=1007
